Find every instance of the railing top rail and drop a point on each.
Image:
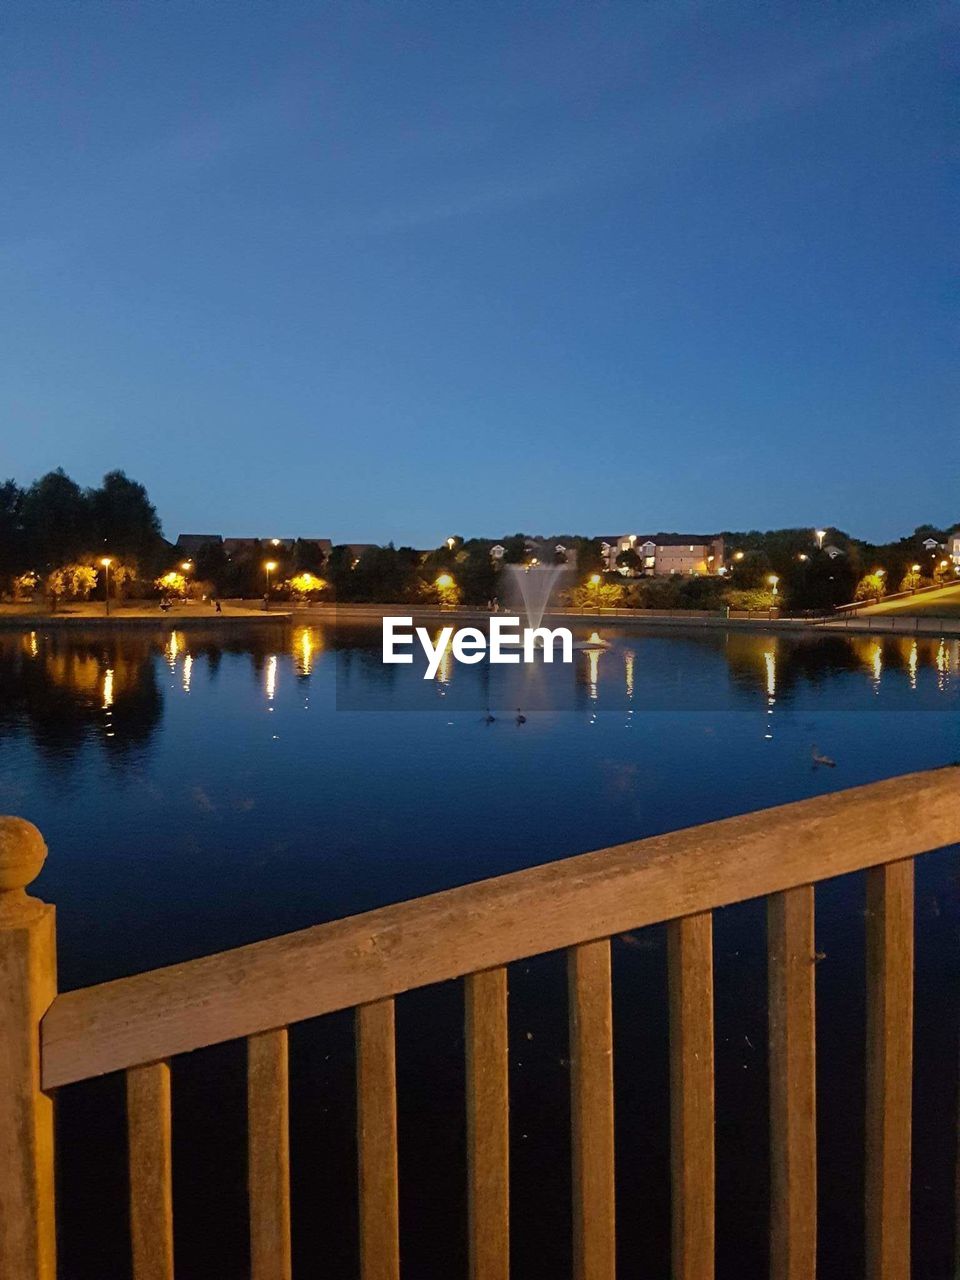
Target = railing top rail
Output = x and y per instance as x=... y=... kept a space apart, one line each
x=287 y=979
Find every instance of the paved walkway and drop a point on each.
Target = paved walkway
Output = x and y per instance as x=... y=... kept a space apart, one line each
x=139 y=612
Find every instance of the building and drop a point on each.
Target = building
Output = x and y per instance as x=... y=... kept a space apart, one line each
x=190 y=545
x=357 y=549
x=953 y=546
x=666 y=554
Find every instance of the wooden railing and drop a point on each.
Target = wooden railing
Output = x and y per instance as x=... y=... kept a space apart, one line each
x=137 y=1024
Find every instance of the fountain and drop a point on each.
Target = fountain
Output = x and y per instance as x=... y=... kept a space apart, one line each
x=528 y=589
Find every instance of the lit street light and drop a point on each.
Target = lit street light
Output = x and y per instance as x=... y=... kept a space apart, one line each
x=820 y=534
x=269 y=567
x=106 y=562
x=774 y=581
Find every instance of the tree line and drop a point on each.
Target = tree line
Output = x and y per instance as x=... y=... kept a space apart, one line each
x=54 y=535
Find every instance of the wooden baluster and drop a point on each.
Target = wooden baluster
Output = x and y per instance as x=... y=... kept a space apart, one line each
x=28 y=985
x=793 y=1101
x=591 y=1111
x=690 y=969
x=377 y=1141
x=488 y=1125
x=151 y=1176
x=268 y=1155
x=889 y=1069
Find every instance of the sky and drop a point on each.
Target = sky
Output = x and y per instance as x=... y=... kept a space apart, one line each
x=398 y=271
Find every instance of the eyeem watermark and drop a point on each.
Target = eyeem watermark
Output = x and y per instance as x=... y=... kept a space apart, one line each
x=506 y=643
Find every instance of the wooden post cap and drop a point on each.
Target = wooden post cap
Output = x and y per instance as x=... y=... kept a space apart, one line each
x=22 y=854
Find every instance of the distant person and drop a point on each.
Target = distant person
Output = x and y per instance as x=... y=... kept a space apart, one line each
x=216 y=605
x=496 y=605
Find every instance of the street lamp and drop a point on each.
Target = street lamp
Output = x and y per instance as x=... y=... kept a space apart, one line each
x=820 y=535
x=269 y=566
x=107 y=562
x=803 y=556
x=774 y=580
x=187 y=566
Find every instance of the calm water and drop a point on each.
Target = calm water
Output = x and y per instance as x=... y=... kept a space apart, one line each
x=197 y=793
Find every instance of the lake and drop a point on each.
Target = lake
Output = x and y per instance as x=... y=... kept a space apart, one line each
x=199 y=789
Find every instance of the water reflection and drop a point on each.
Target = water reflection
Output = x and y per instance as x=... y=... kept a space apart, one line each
x=61 y=687
x=770 y=661
x=62 y=690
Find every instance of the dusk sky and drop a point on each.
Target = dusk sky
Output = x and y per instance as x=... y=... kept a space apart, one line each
x=378 y=272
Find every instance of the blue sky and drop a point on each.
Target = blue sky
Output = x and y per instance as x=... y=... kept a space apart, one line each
x=377 y=271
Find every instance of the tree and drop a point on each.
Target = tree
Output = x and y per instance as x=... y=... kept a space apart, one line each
x=597 y=594
x=11 y=533
x=478 y=575
x=630 y=561
x=305 y=586
x=589 y=555
x=57 y=521
x=71 y=582
x=172 y=584
x=818 y=582
x=24 y=585
x=872 y=586
x=446 y=591
x=124 y=518
x=211 y=565
x=515 y=549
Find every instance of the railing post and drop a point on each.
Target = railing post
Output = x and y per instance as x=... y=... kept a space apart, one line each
x=28 y=984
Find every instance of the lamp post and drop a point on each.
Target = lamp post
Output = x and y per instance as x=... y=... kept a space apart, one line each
x=821 y=534
x=269 y=567
x=106 y=562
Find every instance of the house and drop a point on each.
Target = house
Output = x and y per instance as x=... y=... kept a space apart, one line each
x=241 y=548
x=497 y=552
x=953 y=546
x=833 y=551
x=190 y=545
x=931 y=544
x=357 y=549
x=320 y=547
x=665 y=554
